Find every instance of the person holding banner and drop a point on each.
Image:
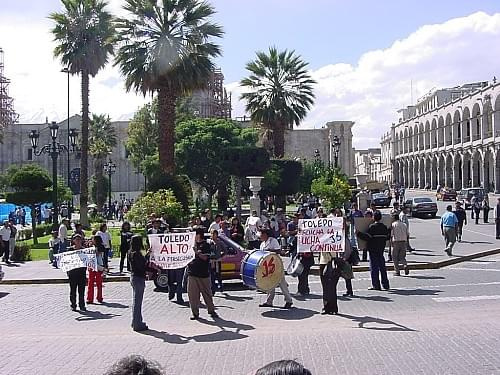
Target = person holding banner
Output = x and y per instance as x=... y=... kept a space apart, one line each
x=329 y=275
x=77 y=279
x=138 y=267
x=95 y=276
x=198 y=271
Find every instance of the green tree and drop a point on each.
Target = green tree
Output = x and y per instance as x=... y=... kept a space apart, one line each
x=30 y=184
x=167 y=49
x=102 y=141
x=333 y=188
x=85 y=37
x=280 y=93
x=161 y=202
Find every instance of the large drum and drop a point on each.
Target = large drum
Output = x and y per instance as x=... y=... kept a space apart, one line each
x=262 y=270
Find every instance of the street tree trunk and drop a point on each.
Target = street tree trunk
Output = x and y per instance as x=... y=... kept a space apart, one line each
x=279 y=139
x=100 y=191
x=33 y=224
x=166 y=123
x=237 y=181
x=84 y=161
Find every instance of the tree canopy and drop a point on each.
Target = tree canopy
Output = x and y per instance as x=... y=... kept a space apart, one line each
x=161 y=202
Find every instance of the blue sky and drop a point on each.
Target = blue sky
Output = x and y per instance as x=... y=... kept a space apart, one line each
x=358 y=52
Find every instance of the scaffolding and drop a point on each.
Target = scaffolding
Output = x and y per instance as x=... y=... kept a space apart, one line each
x=7 y=114
x=213 y=101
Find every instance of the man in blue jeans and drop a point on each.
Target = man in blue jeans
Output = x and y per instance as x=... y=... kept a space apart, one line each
x=376 y=237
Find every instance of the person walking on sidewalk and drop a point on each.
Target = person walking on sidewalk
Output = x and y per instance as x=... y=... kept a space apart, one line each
x=449 y=223
x=5 y=239
x=476 y=208
x=403 y=216
x=376 y=238
x=12 y=240
x=137 y=262
x=497 y=219
x=486 y=209
x=269 y=243
x=198 y=271
x=462 y=219
x=125 y=239
x=399 y=234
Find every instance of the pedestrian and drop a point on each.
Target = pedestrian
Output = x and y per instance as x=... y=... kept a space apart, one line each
x=137 y=262
x=497 y=219
x=269 y=243
x=215 y=262
x=237 y=231
x=77 y=279
x=376 y=237
x=198 y=271
x=12 y=240
x=206 y=219
x=307 y=260
x=399 y=235
x=364 y=258
x=449 y=223
x=476 y=208
x=486 y=209
x=403 y=217
x=252 y=226
x=78 y=230
x=125 y=238
x=95 y=276
x=23 y=217
x=329 y=275
x=54 y=248
x=5 y=238
x=106 y=241
x=351 y=257
x=462 y=219
x=63 y=235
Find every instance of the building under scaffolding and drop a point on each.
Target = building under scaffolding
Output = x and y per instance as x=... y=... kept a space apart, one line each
x=7 y=114
x=213 y=101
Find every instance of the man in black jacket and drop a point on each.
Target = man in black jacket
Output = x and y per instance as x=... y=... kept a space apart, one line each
x=376 y=236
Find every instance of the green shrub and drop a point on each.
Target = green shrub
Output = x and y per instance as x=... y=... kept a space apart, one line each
x=22 y=253
x=43 y=230
x=161 y=202
x=179 y=185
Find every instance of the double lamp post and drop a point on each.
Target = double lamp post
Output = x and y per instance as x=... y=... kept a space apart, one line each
x=53 y=149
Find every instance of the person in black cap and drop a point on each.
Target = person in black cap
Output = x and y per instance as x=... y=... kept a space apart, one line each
x=77 y=278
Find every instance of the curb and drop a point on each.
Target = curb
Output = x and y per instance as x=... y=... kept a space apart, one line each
x=314 y=270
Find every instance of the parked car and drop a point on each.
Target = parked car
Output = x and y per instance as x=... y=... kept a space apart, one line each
x=381 y=200
x=420 y=206
x=465 y=196
x=230 y=264
x=446 y=194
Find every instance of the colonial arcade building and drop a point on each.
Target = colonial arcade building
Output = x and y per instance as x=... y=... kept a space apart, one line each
x=451 y=137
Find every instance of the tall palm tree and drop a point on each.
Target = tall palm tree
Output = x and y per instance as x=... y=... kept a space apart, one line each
x=102 y=139
x=167 y=49
x=280 y=93
x=85 y=34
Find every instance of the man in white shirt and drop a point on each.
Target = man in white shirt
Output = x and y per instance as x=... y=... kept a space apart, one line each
x=252 y=226
x=270 y=243
x=399 y=235
x=5 y=238
x=216 y=224
x=63 y=235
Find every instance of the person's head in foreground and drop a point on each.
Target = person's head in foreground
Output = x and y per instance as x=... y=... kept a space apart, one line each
x=283 y=367
x=135 y=365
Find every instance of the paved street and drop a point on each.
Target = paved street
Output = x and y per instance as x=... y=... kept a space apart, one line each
x=432 y=322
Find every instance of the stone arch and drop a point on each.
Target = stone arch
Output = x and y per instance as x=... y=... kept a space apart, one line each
x=477 y=175
x=421 y=173
x=457 y=171
x=440 y=131
x=427 y=137
x=434 y=172
x=489 y=170
x=497 y=171
x=415 y=138
x=428 y=167
x=441 y=169
x=411 y=175
x=496 y=118
x=458 y=127
x=466 y=130
x=487 y=119
x=467 y=169
x=476 y=122
x=406 y=149
x=410 y=140
x=448 y=131
x=448 y=173
x=434 y=142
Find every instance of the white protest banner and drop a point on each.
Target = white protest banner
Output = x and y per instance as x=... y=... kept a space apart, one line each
x=319 y=235
x=70 y=260
x=171 y=250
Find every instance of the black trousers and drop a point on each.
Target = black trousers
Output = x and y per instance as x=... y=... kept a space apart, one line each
x=497 y=224
x=329 y=280
x=486 y=212
x=5 y=250
x=77 y=280
x=348 y=286
x=303 y=286
x=123 y=256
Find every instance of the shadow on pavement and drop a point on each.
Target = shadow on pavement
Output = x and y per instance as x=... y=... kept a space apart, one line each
x=477 y=242
x=234 y=298
x=3 y=294
x=166 y=337
x=424 y=255
x=11 y=264
x=94 y=315
x=377 y=324
x=299 y=297
x=114 y=305
x=289 y=314
x=415 y=292
x=422 y=277
x=370 y=298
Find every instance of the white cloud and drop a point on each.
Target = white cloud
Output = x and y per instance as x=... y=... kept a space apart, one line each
x=458 y=51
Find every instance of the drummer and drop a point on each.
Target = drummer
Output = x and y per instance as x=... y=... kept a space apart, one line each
x=269 y=243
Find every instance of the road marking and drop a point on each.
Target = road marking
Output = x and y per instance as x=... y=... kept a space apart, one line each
x=465 y=299
x=483 y=261
x=474 y=269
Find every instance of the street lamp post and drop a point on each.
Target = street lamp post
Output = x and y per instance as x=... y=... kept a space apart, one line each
x=66 y=70
x=53 y=149
x=336 y=150
x=110 y=169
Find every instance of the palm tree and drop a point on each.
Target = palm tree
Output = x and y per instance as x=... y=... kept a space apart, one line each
x=280 y=93
x=102 y=139
x=167 y=49
x=85 y=35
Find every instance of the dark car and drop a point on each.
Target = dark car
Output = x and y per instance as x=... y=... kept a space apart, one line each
x=381 y=200
x=421 y=206
x=465 y=196
x=446 y=194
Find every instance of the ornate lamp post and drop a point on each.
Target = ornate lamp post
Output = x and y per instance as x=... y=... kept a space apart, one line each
x=53 y=149
x=336 y=150
x=110 y=169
